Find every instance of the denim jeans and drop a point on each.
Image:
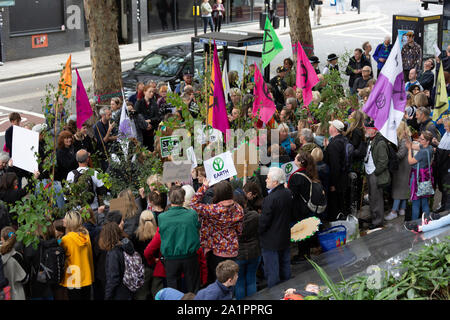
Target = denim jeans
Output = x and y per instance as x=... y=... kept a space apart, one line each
x=341 y=4
x=416 y=205
x=436 y=224
x=277 y=265
x=206 y=21
x=246 y=283
x=398 y=204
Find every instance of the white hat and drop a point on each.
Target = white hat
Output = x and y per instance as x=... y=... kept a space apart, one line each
x=39 y=127
x=337 y=124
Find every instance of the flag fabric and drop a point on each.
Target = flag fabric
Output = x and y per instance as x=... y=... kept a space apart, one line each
x=217 y=109
x=169 y=89
x=127 y=128
x=271 y=44
x=66 y=79
x=386 y=103
x=306 y=75
x=225 y=82
x=263 y=105
x=441 y=104
x=84 y=109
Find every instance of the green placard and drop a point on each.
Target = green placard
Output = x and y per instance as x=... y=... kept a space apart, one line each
x=169 y=145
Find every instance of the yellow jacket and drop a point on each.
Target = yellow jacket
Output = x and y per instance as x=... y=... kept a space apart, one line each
x=79 y=263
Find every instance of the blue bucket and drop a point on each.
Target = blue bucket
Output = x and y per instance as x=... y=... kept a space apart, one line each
x=333 y=237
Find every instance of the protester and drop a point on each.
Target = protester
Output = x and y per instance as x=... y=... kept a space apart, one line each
x=13 y=266
x=354 y=68
x=411 y=55
x=382 y=53
x=14 y=119
x=79 y=274
x=332 y=65
x=274 y=228
x=218 y=12
x=279 y=86
x=65 y=156
x=103 y=136
x=412 y=76
x=221 y=224
x=420 y=171
x=180 y=242
x=249 y=255
x=112 y=240
x=400 y=178
x=426 y=79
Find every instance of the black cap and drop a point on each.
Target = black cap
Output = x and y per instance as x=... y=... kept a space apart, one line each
x=187 y=72
x=332 y=57
x=369 y=123
x=314 y=59
x=281 y=69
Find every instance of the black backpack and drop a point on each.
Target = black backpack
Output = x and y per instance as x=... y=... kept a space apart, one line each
x=317 y=202
x=348 y=159
x=83 y=177
x=51 y=264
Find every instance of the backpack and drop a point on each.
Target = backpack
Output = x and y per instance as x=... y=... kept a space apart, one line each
x=87 y=179
x=51 y=265
x=317 y=202
x=393 y=159
x=133 y=277
x=348 y=160
x=438 y=134
x=19 y=258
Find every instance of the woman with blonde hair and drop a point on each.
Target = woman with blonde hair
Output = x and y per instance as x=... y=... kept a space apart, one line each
x=79 y=263
x=400 y=178
x=142 y=237
x=189 y=193
x=131 y=213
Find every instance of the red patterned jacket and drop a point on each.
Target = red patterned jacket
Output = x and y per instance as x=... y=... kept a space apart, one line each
x=221 y=225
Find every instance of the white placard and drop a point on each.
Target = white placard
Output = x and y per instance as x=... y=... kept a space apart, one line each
x=220 y=167
x=289 y=168
x=437 y=51
x=173 y=172
x=25 y=143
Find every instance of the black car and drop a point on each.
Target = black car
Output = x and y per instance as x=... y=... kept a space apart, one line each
x=164 y=64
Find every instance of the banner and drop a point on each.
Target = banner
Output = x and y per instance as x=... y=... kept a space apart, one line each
x=306 y=77
x=66 y=79
x=84 y=110
x=169 y=145
x=173 y=172
x=441 y=104
x=220 y=167
x=263 y=105
x=25 y=143
x=387 y=100
x=271 y=45
x=289 y=168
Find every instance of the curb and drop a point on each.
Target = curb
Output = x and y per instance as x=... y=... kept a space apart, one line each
x=84 y=66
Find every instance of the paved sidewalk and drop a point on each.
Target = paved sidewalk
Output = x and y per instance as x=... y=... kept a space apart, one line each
x=81 y=59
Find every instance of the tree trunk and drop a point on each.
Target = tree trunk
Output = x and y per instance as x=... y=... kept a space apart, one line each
x=102 y=23
x=300 y=25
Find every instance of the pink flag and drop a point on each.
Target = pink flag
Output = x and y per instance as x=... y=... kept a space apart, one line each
x=220 y=117
x=263 y=99
x=84 y=110
x=306 y=75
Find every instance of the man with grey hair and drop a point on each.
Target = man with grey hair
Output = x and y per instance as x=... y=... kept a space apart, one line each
x=274 y=228
x=98 y=188
x=306 y=138
x=103 y=135
x=382 y=53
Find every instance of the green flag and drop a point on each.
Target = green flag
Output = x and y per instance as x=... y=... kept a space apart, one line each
x=271 y=46
x=441 y=104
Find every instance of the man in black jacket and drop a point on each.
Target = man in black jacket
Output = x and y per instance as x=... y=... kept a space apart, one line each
x=274 y=228
x=335 y=158
x=278 y=86
x=354 y=67
x=426 y=79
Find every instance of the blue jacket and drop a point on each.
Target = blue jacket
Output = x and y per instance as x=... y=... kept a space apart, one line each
x=382 y=52
x=215 y=291
x=169 y=294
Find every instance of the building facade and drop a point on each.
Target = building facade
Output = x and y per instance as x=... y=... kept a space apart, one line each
x=44 y=27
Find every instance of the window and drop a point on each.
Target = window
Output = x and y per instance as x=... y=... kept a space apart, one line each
x=31 y=17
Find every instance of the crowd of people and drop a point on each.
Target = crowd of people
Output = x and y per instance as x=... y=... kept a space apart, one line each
x=196 y=241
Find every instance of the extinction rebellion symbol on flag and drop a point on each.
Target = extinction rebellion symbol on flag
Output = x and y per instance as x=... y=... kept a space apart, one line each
x=218 y=164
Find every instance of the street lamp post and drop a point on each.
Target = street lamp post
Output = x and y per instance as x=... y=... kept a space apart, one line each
x=138 y=15
x=194 y=11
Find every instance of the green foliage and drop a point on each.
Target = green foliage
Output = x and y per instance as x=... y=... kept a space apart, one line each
x=425 y=276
